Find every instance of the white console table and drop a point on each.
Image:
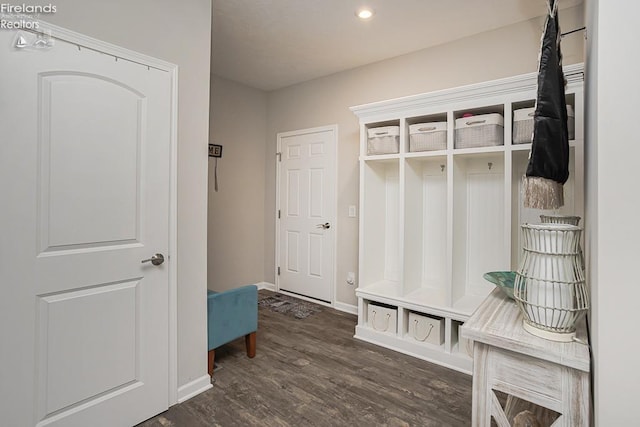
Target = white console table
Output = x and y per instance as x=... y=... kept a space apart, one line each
x=536 y=374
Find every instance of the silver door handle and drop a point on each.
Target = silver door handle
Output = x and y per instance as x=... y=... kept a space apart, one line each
x=324 y=226
x=157 y=259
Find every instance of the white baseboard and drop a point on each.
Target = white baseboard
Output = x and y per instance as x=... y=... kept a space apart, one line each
x=347 y=308
x=194 y=388
x=266 y=285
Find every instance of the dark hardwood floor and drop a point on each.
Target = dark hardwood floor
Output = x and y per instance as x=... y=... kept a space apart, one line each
x=312 y=372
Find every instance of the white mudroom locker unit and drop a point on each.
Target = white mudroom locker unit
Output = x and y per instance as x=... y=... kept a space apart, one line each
x=442 y=206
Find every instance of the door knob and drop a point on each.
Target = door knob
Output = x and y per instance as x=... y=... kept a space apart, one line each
x=157 y=259
x=324 y=226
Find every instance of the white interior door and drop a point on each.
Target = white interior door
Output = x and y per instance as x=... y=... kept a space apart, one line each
x=306 y=205
x=84 y=173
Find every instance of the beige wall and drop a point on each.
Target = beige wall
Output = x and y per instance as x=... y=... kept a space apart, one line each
x=236 y=211
x=178 y=32
x=501 y=53
x=612 y=210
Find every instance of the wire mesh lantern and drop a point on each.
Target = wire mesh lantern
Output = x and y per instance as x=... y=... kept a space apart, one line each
x=550 y=288
x=564 y=219
x=560 y=219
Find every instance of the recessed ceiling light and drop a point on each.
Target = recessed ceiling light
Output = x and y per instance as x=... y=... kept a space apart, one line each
x=365 y=13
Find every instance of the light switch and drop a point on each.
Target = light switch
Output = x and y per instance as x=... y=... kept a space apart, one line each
x=352 y=211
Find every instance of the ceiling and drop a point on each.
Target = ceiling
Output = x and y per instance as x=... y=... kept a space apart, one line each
x=271 y=44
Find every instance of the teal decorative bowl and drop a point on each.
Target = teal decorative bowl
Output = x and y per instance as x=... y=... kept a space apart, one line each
x=503 y=280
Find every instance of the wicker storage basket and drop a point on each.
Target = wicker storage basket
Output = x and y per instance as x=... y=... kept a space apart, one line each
x=426 y=328
x=479 y=131
x=383 y=140
x=382 y=318
x=428 y=136
x=523 y=124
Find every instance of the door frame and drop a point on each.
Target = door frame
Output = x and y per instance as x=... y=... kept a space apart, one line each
x=334 y=213
x=121 y=53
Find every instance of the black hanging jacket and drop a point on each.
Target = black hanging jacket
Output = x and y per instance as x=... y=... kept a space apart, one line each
x=550 y=148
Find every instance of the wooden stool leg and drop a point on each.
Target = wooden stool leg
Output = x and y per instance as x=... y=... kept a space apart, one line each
x=250 y=341
x=212 y=356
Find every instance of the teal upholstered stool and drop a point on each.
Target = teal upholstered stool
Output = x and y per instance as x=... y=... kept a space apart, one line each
x=232 y=314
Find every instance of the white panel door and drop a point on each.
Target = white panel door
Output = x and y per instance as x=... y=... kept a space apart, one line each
x=307 y=210
x=84 y=173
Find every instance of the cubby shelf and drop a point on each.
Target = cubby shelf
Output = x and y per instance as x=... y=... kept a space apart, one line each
x=432 y=222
